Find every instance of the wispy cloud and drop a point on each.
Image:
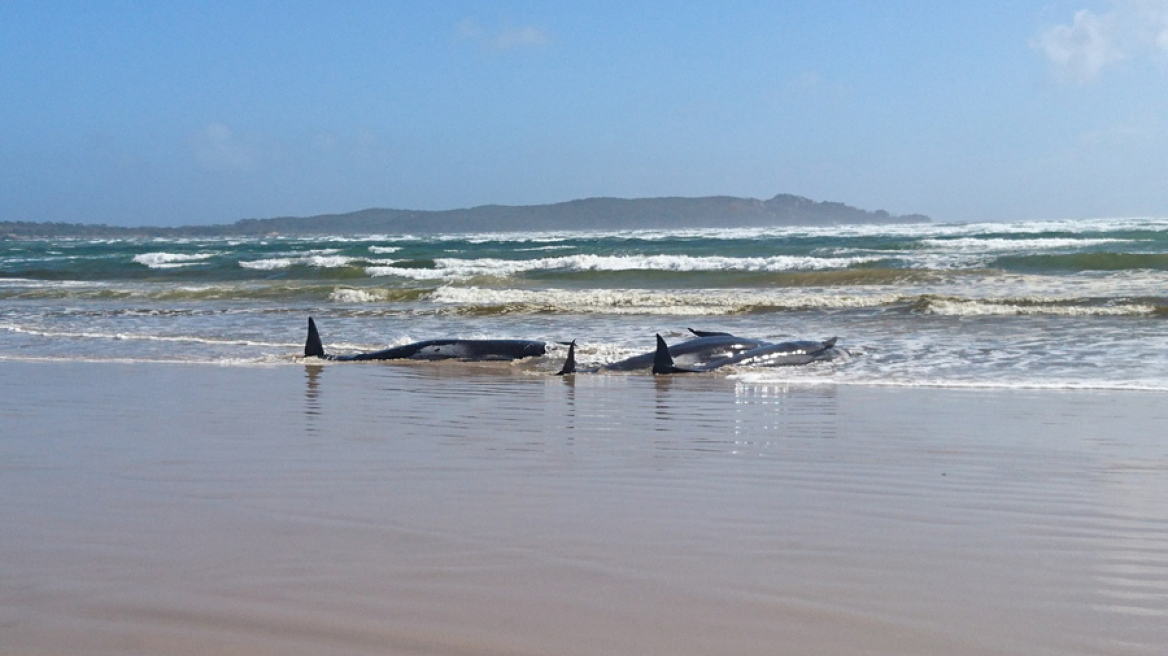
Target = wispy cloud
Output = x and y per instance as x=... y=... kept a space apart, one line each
x=217 y=148
x=1092 y=42
x=1136 y=130
x=809 y=81
x=502 y=39
x=1081 y=50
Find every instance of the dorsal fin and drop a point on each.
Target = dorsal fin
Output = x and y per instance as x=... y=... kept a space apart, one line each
x=663 y=361
x=708 y=333
x=569 y=362
x=312 y=346
x=830 y=342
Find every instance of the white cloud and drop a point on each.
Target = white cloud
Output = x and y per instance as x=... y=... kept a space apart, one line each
x=506 y=38
x=520 y=37
x=469 y=29
x=807 y=81
x=1092 y=42
x=325 y=141
x=217 y=148
x=1120 y=135
x=1154 y=16
x=1081 y=50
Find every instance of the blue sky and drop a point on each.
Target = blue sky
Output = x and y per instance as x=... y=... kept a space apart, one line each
x=134 y=113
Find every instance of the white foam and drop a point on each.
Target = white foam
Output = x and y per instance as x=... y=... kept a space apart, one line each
x=270 y=264
x=35 y=332
x=797 y=377
x=997 y=245
x=348 y=239
x=971 y=308
x=264 y=361
x=669 y=302
x=171 y=260
x=461 y=269
x=558 y=247
x=350 y=295
x=906 y=230
x=319 y=261
x=403 y=272
x=37 y=284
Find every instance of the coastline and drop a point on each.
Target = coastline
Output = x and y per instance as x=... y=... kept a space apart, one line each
x=454 y=509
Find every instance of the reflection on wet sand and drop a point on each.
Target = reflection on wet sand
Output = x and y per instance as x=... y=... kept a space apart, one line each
x=463 y=509
x=569 y=388
x=312 y=407
x=767 y=412
x=1132 y=539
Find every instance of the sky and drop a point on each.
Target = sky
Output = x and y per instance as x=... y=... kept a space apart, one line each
x=151 y=113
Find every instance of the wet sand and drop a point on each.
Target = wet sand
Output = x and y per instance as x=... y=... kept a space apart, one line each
x=471 y=509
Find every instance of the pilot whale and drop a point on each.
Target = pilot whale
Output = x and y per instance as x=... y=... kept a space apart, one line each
x=782 y=354
x=434 y=349
x=705 y=347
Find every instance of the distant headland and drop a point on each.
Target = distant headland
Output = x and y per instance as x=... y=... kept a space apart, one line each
x=584 y=214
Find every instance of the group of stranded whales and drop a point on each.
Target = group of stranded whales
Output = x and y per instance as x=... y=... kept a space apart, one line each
x=706 y=351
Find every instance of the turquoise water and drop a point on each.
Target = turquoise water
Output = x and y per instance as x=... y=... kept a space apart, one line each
x=1063 y=304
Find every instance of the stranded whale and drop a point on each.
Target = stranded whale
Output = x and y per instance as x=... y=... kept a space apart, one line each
x=782 y=354
x=434 y=349
x=713 y=350
x=703 y=349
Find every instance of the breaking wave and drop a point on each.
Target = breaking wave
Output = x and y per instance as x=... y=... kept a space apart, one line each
x=171 y=260
x=461 y=269
x=646 y=301
x=317 y=261
x=1000 y=244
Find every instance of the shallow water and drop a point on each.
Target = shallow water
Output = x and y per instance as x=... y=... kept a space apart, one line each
x=1070 y=304
x=472 y=508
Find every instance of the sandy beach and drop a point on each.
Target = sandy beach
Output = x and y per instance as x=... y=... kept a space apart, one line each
x=470 y=509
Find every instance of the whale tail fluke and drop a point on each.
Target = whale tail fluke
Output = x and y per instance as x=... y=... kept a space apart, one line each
x=312 y=346
x=663 y=361
x=570 y=361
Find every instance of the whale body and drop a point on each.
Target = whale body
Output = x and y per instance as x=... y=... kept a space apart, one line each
x=434 y=349
x=712 y=350
x=706 y=347
x=696 y=352
x=781 y=354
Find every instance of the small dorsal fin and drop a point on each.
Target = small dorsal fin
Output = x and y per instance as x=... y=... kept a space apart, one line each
x=312 y=346
x=708 y=333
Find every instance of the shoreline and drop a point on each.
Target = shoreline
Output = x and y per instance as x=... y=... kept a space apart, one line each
x=538 y=368
x=338 y=509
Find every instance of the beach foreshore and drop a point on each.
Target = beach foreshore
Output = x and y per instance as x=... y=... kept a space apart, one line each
x=473 y=509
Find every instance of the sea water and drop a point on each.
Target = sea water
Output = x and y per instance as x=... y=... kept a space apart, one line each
x=1052 y=304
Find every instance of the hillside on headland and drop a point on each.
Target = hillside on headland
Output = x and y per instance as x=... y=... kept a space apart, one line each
x=585 y=214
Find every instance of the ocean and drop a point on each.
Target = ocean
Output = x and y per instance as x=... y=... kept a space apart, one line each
x=178 y=480
x=1054 y=304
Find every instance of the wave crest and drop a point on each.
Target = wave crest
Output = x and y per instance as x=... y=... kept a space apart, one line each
x=462 y=269
x=171 y=260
